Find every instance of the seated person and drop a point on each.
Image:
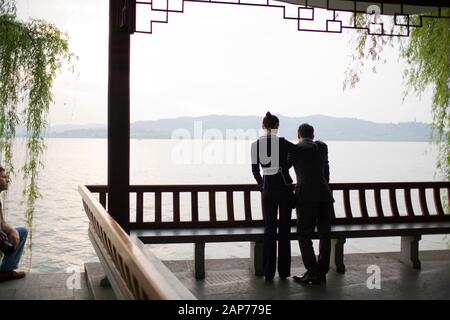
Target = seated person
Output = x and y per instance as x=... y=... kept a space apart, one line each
x=16 y=236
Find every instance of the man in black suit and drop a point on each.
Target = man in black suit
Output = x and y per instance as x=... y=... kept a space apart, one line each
x=314 y=205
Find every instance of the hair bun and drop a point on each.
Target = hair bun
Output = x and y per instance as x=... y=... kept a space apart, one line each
x=268 y=114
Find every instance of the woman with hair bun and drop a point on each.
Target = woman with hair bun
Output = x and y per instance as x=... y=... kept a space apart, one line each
x=271 y=154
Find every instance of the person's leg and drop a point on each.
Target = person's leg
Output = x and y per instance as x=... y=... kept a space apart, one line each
x=305 y=228
x=270 y=208
x=284 y=231
x=11 y=261
x=324 y=230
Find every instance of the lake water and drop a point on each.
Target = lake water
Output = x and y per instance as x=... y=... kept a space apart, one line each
x=60 y=225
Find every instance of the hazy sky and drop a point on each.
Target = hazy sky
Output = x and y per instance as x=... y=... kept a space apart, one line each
x=220 y=59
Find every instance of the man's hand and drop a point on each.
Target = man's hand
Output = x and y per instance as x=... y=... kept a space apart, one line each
x=13 y=235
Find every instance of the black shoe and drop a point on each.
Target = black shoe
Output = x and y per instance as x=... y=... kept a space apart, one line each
x=284 y=277
x=269 y=279
x=11 y=275
x=310 y=278
x=300 y=278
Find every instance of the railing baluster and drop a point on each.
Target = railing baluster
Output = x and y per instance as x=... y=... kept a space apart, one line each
x=158 y=204
x=393 y=202
x=176 y=206
x=194 y=206
x=230 y=206
x=347 y=205
x=102 y=198
x=437 y=201
x=212 y=206
x=423 y=202
x=262 y=205
x=378 y=205
x=139 y=207
x=408 y=203
x=247 y=206
x=448 y=197
x=362 y=203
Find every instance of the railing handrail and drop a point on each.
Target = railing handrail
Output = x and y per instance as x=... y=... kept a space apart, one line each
x=253 y=187
x=149 y=277
x=354 y=209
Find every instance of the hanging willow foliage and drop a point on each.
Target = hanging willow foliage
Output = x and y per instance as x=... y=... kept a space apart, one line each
x=31 y=55
x=427 y=53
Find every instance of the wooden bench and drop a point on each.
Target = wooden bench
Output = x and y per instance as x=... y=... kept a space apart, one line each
x=132 y=271
x=174 y=221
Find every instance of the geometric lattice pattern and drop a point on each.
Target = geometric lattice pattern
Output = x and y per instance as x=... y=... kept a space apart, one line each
x=331 y=16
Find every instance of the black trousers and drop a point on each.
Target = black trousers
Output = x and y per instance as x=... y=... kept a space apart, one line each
x=309 y=216
x=274 y=201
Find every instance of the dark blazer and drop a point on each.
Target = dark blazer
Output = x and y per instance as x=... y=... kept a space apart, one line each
x=280 y=179
x=313 y=173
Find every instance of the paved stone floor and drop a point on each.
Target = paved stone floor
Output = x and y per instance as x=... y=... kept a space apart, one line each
x=39 y=286
x=232 y=279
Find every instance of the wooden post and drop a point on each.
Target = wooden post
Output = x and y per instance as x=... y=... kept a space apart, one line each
x=256 y=254
x=409 y=251
x=121 y=20
x=337 y=255
x=199 y=260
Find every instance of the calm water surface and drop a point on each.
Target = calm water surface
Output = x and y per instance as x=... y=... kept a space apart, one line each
x=60 y=226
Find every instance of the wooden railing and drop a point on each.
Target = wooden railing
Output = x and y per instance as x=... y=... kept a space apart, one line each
x=245 y=209
x=139 y=274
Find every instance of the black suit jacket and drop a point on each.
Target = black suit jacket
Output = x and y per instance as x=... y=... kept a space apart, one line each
x=313 y=173
x=275 y=176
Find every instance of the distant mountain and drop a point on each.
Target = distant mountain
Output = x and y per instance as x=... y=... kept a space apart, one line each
x=327 y=128
x=63 y=129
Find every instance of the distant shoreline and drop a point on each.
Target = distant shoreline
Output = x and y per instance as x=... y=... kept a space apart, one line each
x=169 y=139
x=249 y=127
